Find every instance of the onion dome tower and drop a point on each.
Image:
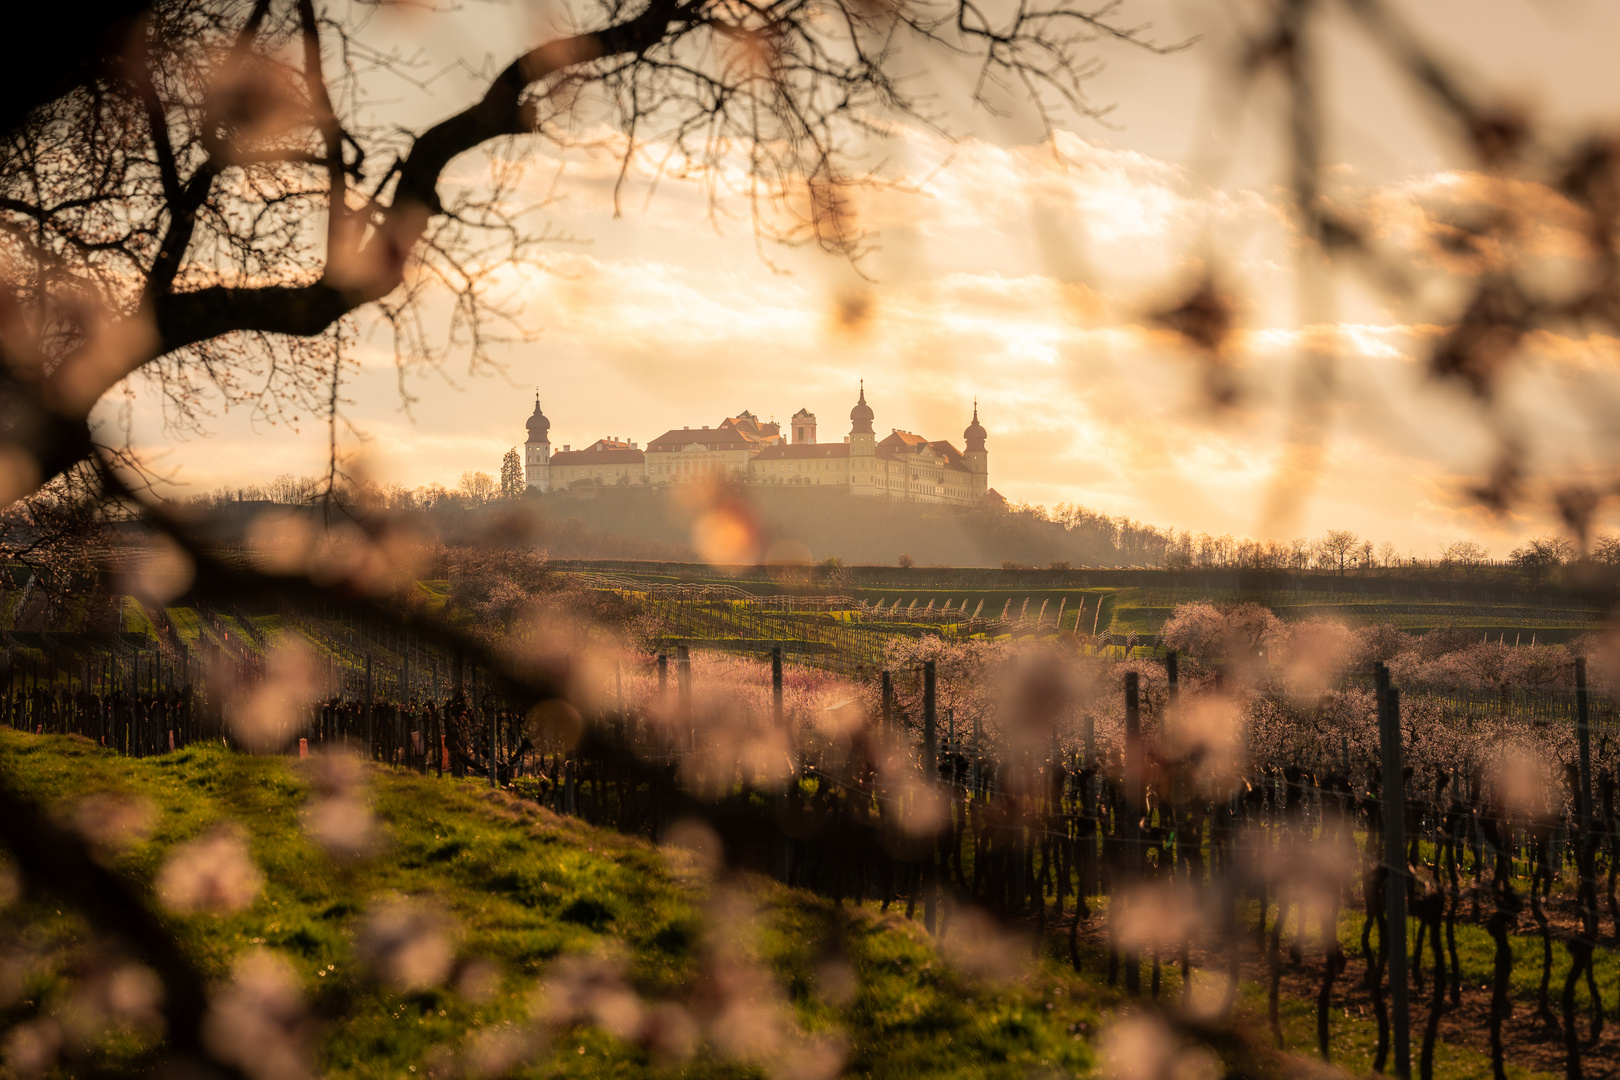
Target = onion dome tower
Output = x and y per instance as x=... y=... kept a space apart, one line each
x=860 y=417
x=537 y=449
x=978 y=460
x=862 y=447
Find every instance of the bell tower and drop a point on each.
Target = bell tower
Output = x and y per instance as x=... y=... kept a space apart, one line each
x=804 y=428
x=978 y=460
x=863 y=463
x=862 y=441
x=537 y=450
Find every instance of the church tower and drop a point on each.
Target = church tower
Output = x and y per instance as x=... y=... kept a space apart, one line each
x=804 y=428
x=537 y=450
x=863 y=449
x=977 y=459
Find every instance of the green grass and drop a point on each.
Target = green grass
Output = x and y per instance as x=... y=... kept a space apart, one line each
x=526 y=887
x=186 y=623
x=136 y=619
x=1144 y=610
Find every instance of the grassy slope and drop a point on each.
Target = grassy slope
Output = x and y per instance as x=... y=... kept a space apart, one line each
x=527 y=887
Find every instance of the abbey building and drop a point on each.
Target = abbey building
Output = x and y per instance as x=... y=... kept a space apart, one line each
x=742 y=449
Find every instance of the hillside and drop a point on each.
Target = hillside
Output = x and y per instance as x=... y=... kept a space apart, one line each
x=522 y=914
x=528 y=890
x=791 y=520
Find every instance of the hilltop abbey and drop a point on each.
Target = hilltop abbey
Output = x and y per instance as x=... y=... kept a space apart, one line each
x=744 y=450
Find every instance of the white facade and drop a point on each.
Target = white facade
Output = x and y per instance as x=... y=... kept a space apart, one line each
x=537 y=450
x=744 y=450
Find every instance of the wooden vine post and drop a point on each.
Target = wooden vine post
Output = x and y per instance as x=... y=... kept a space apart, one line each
x=776 y=685
x=370 y=745
x=1133 y=818
x=1583 y=733
x=931 y=782
x=1389 y=741
x=683 y=685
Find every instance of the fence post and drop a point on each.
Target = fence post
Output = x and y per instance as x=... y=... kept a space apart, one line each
x=888 y=704
x=1133 y=818
x=931 y=779
x=1583 y=733
x=1389 y=741
x=683 y=683
x=494 y=743
x=370 y=751
x=1172 y=674
x=930 y=728
x=776 y=685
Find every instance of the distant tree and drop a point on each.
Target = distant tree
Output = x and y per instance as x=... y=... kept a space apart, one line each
x=905 y=562
x=1365 y=555
x=1539 y=556
x=432 y=496
x=1058 y=564
x=1195 y=629
x=1338 y=548
x=1203 y=631
x=397 y=497
x=477 y=487
x=1606 y=550
x=511 y=474
x=290 y=490
x=1386 y=554
x=1466 y=554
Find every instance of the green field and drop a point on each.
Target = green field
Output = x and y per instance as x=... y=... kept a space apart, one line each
x=1143 y=610
x=525 y=890
x=529 y=893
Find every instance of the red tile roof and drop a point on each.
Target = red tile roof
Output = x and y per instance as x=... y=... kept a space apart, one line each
x=905 y=446
x=720 y=438
x=598 y=456
x=904 y=438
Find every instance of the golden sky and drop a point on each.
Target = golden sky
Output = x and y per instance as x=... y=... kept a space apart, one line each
x=1020 y=271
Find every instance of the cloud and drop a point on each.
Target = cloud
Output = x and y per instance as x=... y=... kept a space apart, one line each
x=1017 y=274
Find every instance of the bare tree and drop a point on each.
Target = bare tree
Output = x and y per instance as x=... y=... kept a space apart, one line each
x=1338 y=548
x=477 y=488
x=290 y=490
x=205 y=198
x=1540 y=556
x=1466 y=554
x=1299 y=553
